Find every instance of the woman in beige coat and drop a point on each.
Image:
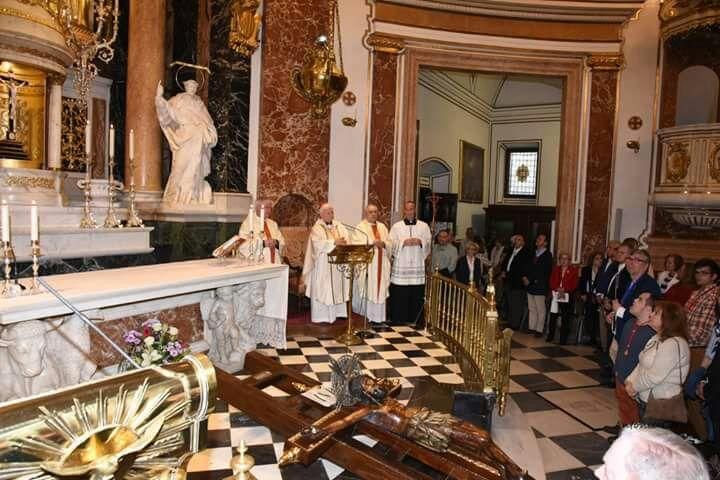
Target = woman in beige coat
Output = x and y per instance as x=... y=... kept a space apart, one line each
x=665 y=360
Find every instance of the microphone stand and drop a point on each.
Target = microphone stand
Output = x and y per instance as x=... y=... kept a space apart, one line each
x=88 y=322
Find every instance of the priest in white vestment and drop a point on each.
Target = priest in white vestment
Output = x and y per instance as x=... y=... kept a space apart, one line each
x=411 y=240
x=267 y=231
x=325 y=285
x=371 y=301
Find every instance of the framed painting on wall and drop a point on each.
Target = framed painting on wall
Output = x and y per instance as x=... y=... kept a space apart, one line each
x=472 y=172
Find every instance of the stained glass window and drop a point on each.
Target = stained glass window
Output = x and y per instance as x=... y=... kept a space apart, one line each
x=521 y=172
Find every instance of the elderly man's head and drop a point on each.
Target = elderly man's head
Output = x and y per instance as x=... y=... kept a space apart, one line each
x=327 y=212
x=371 y=213
x=264 y=203
x=652 y=454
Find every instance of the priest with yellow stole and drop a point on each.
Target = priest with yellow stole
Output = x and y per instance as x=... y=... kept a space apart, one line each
x=326 y=286
x=266 y=230
x=371 y=301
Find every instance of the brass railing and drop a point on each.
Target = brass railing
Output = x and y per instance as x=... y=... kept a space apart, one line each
x=467 y=323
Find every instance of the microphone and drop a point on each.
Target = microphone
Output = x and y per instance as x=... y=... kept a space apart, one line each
x=367 y=239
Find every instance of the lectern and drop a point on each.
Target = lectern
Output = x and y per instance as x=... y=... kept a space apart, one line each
x=351 y=259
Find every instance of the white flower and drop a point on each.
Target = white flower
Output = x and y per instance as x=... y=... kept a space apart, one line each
x=157 y=326
x=149 y=341
x=149 y=358
x=173 y=331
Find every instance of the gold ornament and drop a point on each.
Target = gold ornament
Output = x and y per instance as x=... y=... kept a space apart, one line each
x=244 y=26
x=678 y=162
x=321 y=80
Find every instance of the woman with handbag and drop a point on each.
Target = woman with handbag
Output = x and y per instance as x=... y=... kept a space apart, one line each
x=657 y=381
x=563 y=283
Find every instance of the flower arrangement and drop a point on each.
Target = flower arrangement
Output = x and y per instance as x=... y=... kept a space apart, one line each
x=158 y=344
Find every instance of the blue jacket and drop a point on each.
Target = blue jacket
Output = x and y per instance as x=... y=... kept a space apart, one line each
x=538 y=273
x=625 y=364
x=602 y=282
x=644 y=284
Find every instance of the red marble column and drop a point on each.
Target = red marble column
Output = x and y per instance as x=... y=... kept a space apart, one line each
x=294 y=145
x=601 y=148
x=382 y=123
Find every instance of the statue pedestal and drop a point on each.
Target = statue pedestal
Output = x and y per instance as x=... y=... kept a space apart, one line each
x=226 y=208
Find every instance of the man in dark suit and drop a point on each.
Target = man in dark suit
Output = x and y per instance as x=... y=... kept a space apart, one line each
x=537 y=281
x=633 y=281
x=608 y=268
x=514 y=269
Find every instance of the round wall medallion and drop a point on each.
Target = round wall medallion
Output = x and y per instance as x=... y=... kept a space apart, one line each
x=635 y=122
x=349 y=98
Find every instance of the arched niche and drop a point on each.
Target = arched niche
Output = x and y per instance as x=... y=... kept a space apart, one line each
x=697 y=96
x=436 y=174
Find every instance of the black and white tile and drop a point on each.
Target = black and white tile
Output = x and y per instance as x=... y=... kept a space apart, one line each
x=555 y=387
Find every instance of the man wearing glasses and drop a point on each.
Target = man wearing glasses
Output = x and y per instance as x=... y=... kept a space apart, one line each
x=636 y=268
x=701 y=310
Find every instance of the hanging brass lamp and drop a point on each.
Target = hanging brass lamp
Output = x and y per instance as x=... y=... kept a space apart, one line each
x=320 y=80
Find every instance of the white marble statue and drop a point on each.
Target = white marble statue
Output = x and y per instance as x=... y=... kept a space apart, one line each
x=191 y=133
x=234 y=325
x=41 y=355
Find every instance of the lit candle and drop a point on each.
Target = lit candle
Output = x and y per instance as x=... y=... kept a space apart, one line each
x=131 y=153
x=34 y=229
x=112 y=141
x=5 y=223
x=88 y=137
x=251 y=213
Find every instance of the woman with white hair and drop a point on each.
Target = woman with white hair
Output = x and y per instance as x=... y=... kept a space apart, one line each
x=644 y=453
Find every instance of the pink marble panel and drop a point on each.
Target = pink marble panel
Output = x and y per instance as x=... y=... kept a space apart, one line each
x=600 y=159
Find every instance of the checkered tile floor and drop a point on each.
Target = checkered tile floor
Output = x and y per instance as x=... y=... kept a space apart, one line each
x=567 y=432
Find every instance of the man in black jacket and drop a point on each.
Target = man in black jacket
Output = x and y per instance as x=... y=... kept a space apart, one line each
x=514 y=270
x=537 y=280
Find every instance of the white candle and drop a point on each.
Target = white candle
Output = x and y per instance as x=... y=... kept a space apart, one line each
x=251 y=212
x=88 y=137
x=262 y=218
x=34 y=228
x=131 y=153
x=5 y=223
x=112 y=141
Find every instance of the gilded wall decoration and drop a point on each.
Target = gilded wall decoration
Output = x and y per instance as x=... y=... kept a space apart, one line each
x=714 y=163
x=30 y=182
x=678 y=162
x=74 y=119
x=244 y=26
x=30 y=127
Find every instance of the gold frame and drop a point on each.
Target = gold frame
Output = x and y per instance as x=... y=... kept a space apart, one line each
x=461 y=187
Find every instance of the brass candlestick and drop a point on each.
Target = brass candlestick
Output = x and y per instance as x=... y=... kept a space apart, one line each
x=8 y=260
x=35 y=249
x=134 y=219
x=111 y=220
x=242 y=463
x=88 y=220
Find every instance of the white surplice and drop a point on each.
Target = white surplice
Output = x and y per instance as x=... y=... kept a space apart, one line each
x=408 y=266
x=260 y=234
x=378 y=275
x=325 y=285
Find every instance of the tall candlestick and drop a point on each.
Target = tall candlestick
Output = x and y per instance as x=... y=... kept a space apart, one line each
x=252 y=218
x=5 y=223
x=88 y=137
x=112 y=140
x=34 y=227
x=131 y=149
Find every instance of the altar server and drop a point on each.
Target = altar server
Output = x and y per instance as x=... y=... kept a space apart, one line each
x=410 y=239
x=266 y=230
x=326 y=286
x=372 y=300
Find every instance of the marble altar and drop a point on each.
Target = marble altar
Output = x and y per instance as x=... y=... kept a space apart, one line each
x=44 y=347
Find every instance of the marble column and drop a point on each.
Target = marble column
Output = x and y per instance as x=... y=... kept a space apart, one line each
x=601 y=136
x=146 y=67
x=54 y=132
x=294 y=145
x=382 y=130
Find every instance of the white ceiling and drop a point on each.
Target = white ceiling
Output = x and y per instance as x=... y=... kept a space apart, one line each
x=502 y=91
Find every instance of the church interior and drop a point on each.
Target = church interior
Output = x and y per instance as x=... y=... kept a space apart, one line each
x=359 y=239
